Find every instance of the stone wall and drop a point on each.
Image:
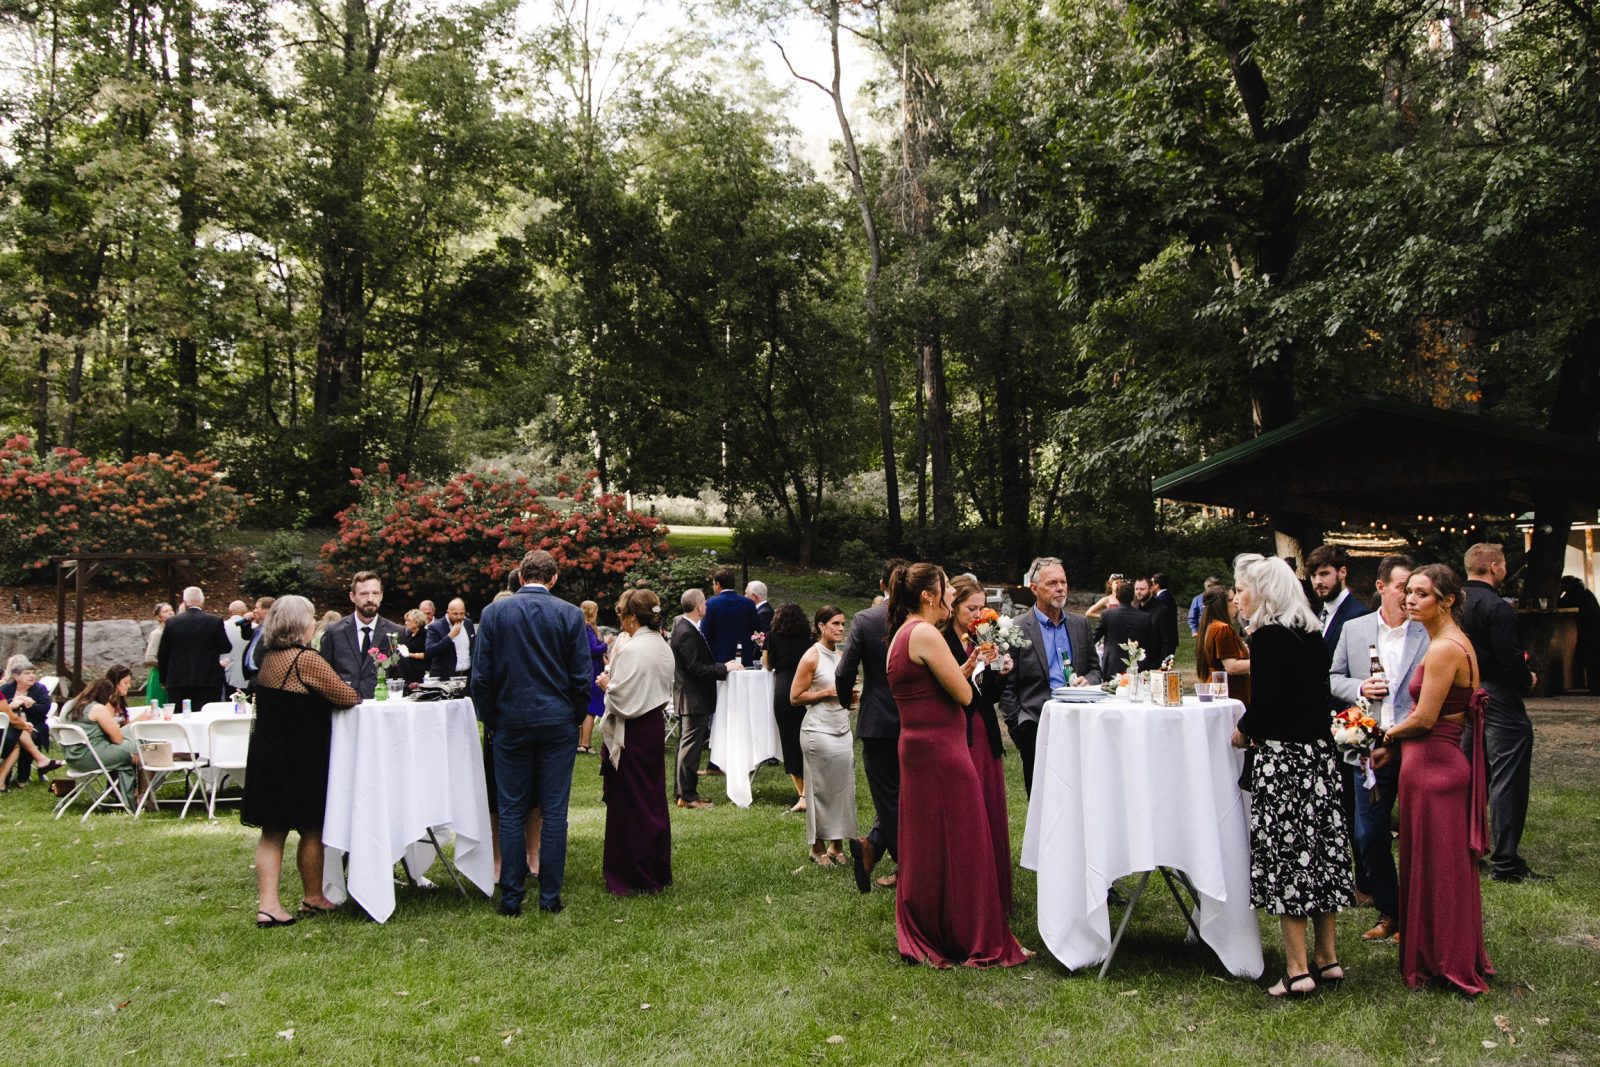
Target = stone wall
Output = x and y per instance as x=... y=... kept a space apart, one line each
x=104 y=645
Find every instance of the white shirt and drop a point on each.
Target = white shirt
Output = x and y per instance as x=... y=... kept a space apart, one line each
x=1391 y=653
x=463 y=653
x=1331 y=608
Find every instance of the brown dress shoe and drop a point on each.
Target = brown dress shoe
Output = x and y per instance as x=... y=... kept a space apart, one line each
x=1381 y=932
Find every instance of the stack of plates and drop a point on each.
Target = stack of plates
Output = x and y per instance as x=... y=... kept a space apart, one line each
x=1080 y=694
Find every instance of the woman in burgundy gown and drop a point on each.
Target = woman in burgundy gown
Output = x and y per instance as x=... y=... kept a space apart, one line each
x=638 y=843
x=947 y=907
x=983 y=725
x=1442 y=798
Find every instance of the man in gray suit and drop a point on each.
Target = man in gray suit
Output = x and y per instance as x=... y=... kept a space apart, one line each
x=346 y=644
x=1400 y=644
x=866 y=650
x=1056 y=639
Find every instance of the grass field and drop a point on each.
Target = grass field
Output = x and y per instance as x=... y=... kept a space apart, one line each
x=133 y=942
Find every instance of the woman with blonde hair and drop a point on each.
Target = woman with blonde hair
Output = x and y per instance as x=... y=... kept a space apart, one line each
x=1299 y=844
x=597 y=667
x=154 y=691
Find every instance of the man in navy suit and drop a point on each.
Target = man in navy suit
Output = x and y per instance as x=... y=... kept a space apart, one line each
x=1400 y=644
x=449 y=647
x=731 y=621
x=1328 y=566
x=530 y=683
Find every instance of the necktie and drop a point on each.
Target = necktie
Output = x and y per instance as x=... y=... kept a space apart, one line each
x=366 y=639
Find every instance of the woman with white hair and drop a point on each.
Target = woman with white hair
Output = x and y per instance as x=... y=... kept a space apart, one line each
x=286 y=770
x=1299 y=845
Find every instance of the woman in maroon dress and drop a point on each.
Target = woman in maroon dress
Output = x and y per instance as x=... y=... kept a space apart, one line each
x=1442 y=797
x=638 y=847
x=983 y=726
x=947 y=907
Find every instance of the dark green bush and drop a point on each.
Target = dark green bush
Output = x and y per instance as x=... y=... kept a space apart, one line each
x=668 y=578
x=275 y=572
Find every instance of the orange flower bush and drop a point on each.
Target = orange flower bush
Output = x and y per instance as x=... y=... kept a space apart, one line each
x=66 y=503
x=462 y=537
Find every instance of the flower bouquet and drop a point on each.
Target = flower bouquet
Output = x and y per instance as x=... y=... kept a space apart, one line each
x=759 y=639
x=380 y=660
x=1355 y=732
x=997 y=631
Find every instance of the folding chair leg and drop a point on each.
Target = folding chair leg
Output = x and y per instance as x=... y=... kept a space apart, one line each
x=199 y=786
x=66 y=802
x=156 y=780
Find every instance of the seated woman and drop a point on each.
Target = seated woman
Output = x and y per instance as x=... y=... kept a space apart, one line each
x=94 y=709
x=30 y=700
x=286 y=768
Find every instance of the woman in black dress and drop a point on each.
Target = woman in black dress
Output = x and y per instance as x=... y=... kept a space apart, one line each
x=286 y=771
x=787 y=641
x=1299 y=844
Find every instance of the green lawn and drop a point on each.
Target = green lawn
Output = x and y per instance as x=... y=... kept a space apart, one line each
x=133 y=942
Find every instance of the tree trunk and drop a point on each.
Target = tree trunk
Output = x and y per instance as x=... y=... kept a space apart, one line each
x=921 y=448
x=938 y=420
x=1011 y=447
x=187 y=347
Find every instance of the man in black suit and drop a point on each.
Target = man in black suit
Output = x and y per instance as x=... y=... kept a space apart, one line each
x=1491 y=625
x=1120 y=624
x=346 y=644
x=1329 y=566
x=1056 y=639
x=697 y=676
x=192 y=649
x=1163 y=611
x=449 y=647
x=757 y=593
x=729 y=621
x=866 y=651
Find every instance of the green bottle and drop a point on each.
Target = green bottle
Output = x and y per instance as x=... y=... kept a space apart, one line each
x=1066 y=667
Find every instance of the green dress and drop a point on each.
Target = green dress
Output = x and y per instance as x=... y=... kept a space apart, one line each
x=118 y=759
x=153 y=689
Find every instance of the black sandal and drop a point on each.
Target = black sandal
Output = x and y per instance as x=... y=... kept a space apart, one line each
x=1289 y=991
x=1331 y=983
x=308 y=908
x=272 y=920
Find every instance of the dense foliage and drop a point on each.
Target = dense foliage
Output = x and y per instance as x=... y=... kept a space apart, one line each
x=463 y=536
x=1060 y=248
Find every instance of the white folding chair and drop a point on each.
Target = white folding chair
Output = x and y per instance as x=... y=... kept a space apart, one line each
x=179 y=738
x=72 y=734
x=229 y=741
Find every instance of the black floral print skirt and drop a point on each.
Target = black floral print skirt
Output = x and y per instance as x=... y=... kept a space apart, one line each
x=1299 y=844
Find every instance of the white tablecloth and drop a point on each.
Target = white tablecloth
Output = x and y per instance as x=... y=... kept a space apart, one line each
x=744 y=733
x=1120 y=788
x=397 y=769
x=199 y=722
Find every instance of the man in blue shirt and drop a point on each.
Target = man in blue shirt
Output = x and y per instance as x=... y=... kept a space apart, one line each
x=1056 y=639
x=1198 y=604
x=530 y=684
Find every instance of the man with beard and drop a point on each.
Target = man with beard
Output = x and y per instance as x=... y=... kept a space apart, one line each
x=347 y=644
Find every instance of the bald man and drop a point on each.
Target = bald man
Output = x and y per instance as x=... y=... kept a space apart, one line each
x=239 y=625
x=449 y=647
x=193 y=647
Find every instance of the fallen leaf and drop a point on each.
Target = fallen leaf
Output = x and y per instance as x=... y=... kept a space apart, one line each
x=1027 y=978
x=124 y=1004
x=1502 y=1024
x=1541 y=1020
x=1490 y=1044
x=402 y=992
x=474 y=1059
x=618 y=920
x=836 y=1039
x=118 y=956
x=1128 y=993
x=769 y=898
x=507 y=1035
x=644 y=1007
x=287 y=1035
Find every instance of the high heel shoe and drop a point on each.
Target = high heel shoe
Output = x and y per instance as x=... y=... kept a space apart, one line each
x=1322 y=977
x=1290 y=992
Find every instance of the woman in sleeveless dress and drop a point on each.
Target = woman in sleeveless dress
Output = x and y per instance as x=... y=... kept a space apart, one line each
x=788 y=640
x=826 y=746
x=983 y=725
x=947 y=907
x=1442 y=798
x=286 y=770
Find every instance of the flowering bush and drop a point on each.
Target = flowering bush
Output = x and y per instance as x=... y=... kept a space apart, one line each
x=66 y=503
x=668 y=578
x=463 y=537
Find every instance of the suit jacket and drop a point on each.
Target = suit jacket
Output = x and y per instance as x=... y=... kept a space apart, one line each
x=985 y=695
x=729 y=623
x=530 y=661
x=1351 y=665
x=1349 y=608
x=764 y=616
x=1118 y=626
x=441 y=647
x=191 y=649
x=698 y=672
x=239 y=628
x=866 y=652
x=1023 y=699
x=1489 y=623
x=1163 y=612
x=341 y=647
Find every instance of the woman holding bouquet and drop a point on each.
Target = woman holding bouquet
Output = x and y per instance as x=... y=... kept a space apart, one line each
x=1442 y=797
x=947 y=907
x=983 y=725
x=1299 y=845
x=829 y=750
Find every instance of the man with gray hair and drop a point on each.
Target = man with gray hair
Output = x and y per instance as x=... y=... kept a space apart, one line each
x=1059 y=653
x=194 y=646
x=696 y=681
x=530 y=685
x=238 y=625
x=757 y=592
